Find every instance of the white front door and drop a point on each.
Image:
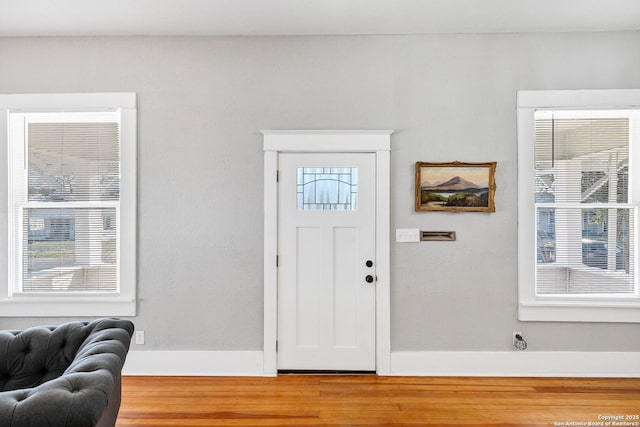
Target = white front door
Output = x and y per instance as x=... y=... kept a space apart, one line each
x=326 y=252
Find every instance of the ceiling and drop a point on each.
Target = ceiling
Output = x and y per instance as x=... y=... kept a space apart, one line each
x=311 y=17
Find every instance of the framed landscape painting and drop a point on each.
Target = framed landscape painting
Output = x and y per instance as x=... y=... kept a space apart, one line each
x=455 y=187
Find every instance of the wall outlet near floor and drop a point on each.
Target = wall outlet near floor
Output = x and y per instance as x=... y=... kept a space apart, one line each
x=519 y=344
x=140 y=337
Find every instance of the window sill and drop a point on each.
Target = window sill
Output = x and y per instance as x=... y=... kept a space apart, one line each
x=580 y=311
x=65 y=306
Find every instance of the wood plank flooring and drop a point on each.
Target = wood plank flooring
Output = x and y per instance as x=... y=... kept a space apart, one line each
x=368 y=400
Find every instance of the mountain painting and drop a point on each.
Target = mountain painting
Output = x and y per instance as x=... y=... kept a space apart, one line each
x=455 y=187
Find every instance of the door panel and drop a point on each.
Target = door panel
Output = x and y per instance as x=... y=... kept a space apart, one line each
x=345 y=292
x=308 y=286
x=326 y=233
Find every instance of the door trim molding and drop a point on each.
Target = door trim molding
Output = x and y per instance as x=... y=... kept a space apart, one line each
x=332 y=141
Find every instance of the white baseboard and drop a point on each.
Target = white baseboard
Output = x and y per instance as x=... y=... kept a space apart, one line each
x=194 y=363
x=516 y=363
x=403 y=363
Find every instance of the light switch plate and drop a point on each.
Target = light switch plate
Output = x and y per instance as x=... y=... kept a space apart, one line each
x=407 y=235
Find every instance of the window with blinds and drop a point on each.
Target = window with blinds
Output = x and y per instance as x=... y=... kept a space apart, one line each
x=578 y=199
x=585 y=215
x=66 y=173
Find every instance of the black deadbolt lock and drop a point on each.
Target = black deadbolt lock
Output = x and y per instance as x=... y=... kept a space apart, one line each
x=369 y=263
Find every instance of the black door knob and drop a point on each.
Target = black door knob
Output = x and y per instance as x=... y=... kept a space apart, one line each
x=369 y=263
x=369 y=278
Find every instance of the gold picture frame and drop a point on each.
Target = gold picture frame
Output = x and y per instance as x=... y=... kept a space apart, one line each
x=455 y=187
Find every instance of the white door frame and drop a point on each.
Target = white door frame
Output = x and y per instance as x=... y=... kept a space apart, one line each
x=279 y=141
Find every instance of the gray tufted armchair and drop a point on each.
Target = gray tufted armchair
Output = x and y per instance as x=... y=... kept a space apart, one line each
x=64 y=376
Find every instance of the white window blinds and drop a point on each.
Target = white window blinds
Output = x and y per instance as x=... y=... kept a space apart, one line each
x=66 y=201
x=585 y=215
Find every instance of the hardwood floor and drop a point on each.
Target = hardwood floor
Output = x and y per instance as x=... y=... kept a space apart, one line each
x=367 y=400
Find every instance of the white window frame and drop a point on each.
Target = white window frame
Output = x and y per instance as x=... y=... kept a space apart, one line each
x=565 y=308
x=122 y=303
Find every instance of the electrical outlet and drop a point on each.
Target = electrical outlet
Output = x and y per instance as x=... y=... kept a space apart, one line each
x=519 y=344
x=140 y=337
x=514 y=340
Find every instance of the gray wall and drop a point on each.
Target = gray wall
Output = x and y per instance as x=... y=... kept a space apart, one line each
x=202 y=102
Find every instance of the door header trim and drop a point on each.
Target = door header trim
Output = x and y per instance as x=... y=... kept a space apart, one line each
x=327 y=140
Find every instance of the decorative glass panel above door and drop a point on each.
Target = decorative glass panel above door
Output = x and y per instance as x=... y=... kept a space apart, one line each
x=327 y=189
